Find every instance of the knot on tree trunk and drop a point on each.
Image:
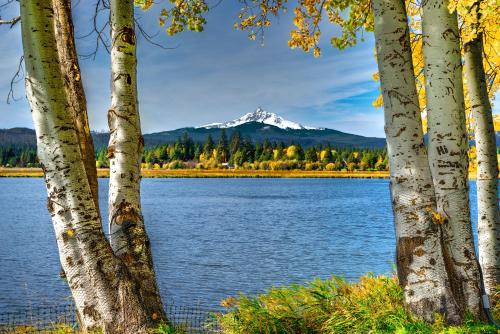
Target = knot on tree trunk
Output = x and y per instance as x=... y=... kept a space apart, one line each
x=126 y=35
x=407 y=247
x=125 y=212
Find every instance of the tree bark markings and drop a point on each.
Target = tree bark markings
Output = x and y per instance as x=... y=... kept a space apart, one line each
x=448 y=147
x=421 y=265
x=105 y=295
x=487 y=165
x=68 y=59
x=128 y=236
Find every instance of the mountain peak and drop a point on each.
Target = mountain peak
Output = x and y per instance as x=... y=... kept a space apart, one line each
x=261 y=116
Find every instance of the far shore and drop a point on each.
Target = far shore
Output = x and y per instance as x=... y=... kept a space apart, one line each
x=222 y=173
x=216 y=173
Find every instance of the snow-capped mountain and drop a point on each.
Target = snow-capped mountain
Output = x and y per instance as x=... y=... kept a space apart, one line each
x=260 y=116
x=257 y=126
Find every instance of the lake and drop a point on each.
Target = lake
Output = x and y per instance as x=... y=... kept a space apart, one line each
x=212 y=238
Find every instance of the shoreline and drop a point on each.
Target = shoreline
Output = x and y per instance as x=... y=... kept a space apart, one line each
x=216 y=173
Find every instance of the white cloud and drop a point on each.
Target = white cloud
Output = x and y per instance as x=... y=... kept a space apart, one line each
x=218 y=75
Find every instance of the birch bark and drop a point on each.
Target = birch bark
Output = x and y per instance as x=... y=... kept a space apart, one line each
x=487 y=165
x=104 y=294
x=420 y=262
x=68 y=59
x=129 y=239
x=448 y=146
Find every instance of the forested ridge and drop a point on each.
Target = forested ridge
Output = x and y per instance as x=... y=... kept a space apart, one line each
x=259 y=132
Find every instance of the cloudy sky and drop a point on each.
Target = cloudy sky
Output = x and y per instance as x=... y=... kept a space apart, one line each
x=216 y=76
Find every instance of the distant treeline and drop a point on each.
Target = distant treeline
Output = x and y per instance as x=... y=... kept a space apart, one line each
x=236 y=151
x=242 y=152
x=18 y=156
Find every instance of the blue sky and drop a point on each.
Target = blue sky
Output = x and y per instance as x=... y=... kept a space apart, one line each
x=218 y=75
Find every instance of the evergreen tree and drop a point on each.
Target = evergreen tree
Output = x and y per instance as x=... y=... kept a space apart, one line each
x=300 y=152
x=248 y=149
x=197 y=151
x=311 y=155
x=327 y=157
x=239 y=158
x=234 y=142
x=258 y=152
x=280 y=148
x=164 y=154
x=186 y=146
x=267 y=151
x=222 y=148
x=209 y=147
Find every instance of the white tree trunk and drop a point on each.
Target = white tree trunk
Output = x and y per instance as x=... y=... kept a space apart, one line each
x=487 y=165
x=70 y=68
x=421 y=267
x=104 y=294
x=128 y=235
x=448 y=146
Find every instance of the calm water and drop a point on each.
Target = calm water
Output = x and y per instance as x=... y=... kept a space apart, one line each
x=213 y=237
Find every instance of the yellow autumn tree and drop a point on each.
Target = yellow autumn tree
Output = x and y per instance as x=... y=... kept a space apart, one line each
x=353 y=17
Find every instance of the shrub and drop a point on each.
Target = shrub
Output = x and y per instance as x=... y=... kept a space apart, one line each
x=166 y=328
x=264 y=165
x=330 y=166
x=212 y=164
x=351 y=166
x=248 y=166
x=177 y=164
x=372 y=305
x=190 y=164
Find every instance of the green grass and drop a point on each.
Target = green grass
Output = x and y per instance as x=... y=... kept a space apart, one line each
x=55 y=329
x=65 y=329
x=169 y=329
x=372 y=305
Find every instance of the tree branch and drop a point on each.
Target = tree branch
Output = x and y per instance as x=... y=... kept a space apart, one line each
x=18 y=76
x=149 y=38
x=101 y=6
x=8 y=2
x=12 y=21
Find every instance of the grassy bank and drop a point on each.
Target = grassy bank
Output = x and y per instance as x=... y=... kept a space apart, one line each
x=331 y=306
x=221 y=173
x=214 y=173
x=372 y=305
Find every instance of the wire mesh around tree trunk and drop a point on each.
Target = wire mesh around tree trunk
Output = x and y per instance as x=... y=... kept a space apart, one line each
x=62 y=319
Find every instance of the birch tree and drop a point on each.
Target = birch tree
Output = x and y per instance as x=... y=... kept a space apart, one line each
x=487 y=164
x=448 y=146
x=420 y=261
x=107 y=294
x=128 y=236
x=70 y=68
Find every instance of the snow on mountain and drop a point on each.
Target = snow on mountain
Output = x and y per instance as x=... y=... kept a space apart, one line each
x=260 y=116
